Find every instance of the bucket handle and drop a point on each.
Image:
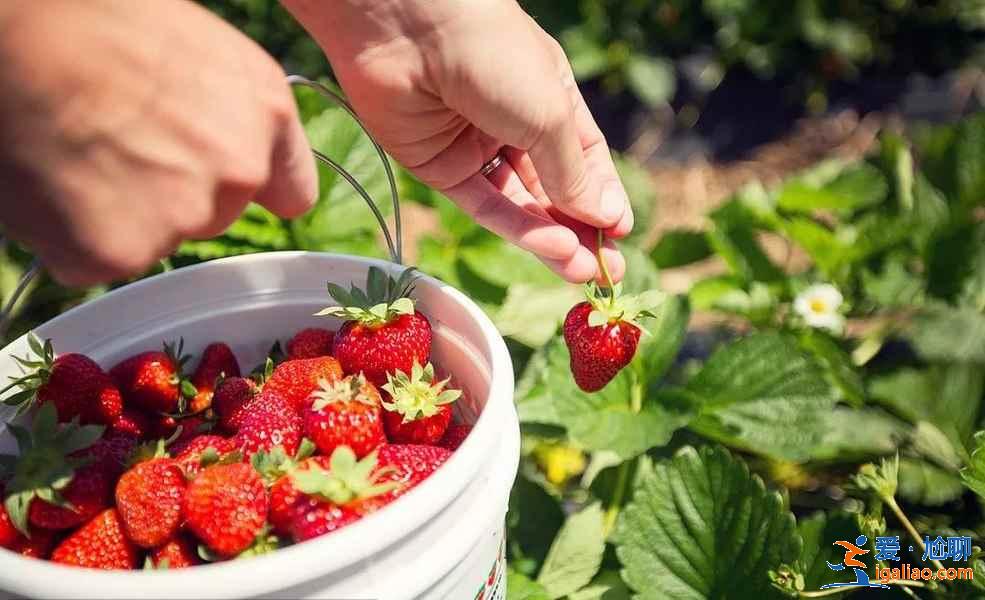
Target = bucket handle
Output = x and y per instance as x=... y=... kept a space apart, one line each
x=396 y=249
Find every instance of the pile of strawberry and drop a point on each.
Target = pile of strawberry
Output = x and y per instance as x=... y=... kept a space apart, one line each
x=142 y=466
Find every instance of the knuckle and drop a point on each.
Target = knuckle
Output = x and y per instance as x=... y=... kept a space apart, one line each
x=553 y=117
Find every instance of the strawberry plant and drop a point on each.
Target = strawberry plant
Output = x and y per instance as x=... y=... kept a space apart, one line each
x=842 y=400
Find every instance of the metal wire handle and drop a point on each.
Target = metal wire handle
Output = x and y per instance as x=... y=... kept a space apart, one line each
x=396 y=249
x=7 y=312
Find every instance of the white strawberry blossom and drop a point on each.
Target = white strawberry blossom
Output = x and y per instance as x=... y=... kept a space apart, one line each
x=818 y=305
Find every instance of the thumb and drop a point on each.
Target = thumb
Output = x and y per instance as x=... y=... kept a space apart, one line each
x=292 y=187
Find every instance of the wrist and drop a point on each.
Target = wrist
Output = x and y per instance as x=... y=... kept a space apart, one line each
x=346 y=29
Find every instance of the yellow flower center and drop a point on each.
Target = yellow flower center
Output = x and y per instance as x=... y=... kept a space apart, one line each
x=818 y=306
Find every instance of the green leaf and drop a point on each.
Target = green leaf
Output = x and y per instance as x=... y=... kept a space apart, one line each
x=503 y=264
x=680 y=247
x=764 y=395
x=652 y=79
x=608 y=585
x=531 y=314
x=947 y=396
x=857 y=187
x=734 y=237
x=702 y=527
x=819 y=532
x=837 y=365
x=575 y=555
x=587 y=56
x=842 y=441
x=340 y=220
x=709 y=293
x=642 y=194
x=895 y=286
x=519 y=587
x=925 y=483
x=973 y=475
x=668 y=331
x=604 y=420
x=957 y=165
x=533 y=520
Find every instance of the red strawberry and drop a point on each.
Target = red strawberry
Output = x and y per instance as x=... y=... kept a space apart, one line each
x=189 y=456
x=111 y=452
x=294 y=380
x=310 y=343
x=217 y=361
x=99 y=544
x=48 y=486
x=411 y=463
x=454 y=436
x=177 y=553
x=8 y=533
x=86 y=494
x=132 y=422
x=231 y=397
x=346 y=413
x=39 y=545
x=153 y=380
x=602 y=337
x=73 y=383
x=270 y=422
x=323 y=501
x=383 y=333
x=287 y=503
x=418 y=409
x=191 y=428
x=149 y=498
x=226 y=507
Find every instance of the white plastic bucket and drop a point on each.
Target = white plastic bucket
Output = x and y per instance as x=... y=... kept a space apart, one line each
x=443 y=539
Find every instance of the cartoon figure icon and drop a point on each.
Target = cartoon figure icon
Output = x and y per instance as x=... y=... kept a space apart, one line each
x=851 y=551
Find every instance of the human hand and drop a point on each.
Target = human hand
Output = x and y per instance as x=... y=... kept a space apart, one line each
x=444 y=84
x=126 y=127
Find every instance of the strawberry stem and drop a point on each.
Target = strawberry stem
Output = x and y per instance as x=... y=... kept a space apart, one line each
x=605 y=269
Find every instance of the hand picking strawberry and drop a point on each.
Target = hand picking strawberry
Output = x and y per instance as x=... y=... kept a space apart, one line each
x=602 y=334
x=383 y=332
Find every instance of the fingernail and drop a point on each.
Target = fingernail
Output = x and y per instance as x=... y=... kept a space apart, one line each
x=614 y=202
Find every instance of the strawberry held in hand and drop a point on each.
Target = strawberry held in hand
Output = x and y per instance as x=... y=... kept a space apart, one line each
x=73 y=383
x=419 y=408
x=383 y=333
x=602 y=334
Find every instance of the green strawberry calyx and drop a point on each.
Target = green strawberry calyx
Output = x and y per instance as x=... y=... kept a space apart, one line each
x=383 y=300
x=348 y=389
x=37 y=367
x=610 y=306
x=417 y=395
x=44 y=466
x=347 y=479
x=275 y=463
x=186 y=389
